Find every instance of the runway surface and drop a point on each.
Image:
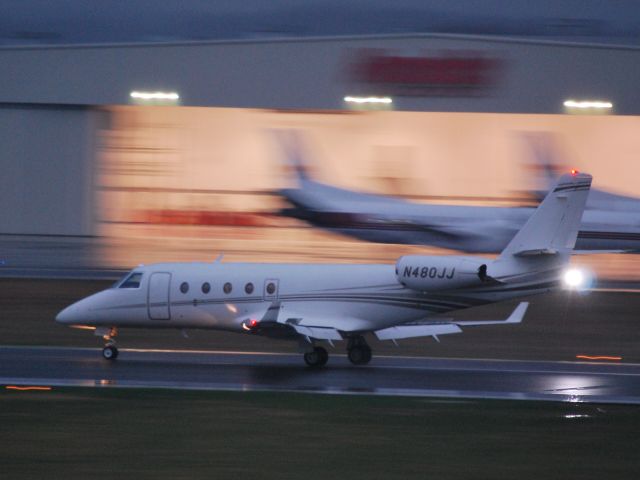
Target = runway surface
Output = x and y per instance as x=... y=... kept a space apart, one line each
x=254 y=371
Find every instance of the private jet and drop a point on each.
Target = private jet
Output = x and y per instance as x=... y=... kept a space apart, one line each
x=611 y=223
x=315 y=303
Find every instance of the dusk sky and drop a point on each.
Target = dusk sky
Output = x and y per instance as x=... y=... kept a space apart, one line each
x=78 y=21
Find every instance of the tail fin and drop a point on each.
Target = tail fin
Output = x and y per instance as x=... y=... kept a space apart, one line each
x=553 y=226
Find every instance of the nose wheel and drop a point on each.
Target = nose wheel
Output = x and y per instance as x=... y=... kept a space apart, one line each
x=110 y=352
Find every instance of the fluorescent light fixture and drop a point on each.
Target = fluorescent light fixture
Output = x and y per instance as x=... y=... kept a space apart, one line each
x=385 y=100
x=155 y=95
x=588 y=104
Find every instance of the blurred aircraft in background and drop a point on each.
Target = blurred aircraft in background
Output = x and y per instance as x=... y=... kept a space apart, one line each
x=548 y=166
x=611 y=222
x=314 y=303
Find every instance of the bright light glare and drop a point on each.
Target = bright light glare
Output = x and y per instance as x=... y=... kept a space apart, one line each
x=588 y=104
x=386 y=100
x=155 y=95
x=574 y=278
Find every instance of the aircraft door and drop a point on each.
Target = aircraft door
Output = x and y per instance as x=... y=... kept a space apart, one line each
x=158 y=297
x=270 y=291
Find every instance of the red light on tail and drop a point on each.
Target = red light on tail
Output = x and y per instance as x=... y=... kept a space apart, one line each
x=574 y=171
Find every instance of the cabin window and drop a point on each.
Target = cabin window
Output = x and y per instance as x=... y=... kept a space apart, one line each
x=248 y=288
x=206 y=288
x=132 y=281
x=271 y=288
x=227 y=287
x=184 y=287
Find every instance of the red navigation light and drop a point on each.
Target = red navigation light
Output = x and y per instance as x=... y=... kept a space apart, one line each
x=574 y=172
x=251 y=325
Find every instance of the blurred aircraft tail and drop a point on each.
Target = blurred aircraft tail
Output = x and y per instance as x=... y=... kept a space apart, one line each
x=545 y=162
x=292 y=145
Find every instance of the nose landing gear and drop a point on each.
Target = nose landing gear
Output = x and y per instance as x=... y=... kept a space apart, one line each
x=110 y=351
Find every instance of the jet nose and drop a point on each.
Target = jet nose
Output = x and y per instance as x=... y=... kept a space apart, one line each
x=69 y=315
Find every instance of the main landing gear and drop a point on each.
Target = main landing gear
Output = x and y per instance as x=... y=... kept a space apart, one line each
x=110 y=351
x=317 y=357
x=358 y=351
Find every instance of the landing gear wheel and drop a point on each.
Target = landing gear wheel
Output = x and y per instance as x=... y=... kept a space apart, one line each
x=360 y=355
x=110 y=352
x=316 y=358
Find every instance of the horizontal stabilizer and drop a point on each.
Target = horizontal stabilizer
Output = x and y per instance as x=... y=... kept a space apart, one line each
x=535 y=252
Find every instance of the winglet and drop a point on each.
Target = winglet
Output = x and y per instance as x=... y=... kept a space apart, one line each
x=518 y=314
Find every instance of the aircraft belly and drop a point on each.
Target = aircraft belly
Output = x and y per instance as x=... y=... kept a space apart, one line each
x=207 y=316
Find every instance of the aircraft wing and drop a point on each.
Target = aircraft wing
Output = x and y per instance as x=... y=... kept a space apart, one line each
x=410 y=331
x=318 y=333
x=318 y=327
x=444 y=328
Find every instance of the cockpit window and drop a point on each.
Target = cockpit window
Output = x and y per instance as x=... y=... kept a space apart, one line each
x=132 y=281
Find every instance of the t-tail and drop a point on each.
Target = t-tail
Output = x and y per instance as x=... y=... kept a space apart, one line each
x=544 y=244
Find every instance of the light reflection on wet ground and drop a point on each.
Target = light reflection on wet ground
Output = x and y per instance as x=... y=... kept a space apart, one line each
x=254 y=371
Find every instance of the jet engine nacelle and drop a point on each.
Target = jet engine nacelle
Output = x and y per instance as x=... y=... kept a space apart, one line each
x=428 y=273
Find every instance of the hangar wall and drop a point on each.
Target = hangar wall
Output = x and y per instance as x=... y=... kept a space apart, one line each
x=47 y=162
x=51 y=100
x=454 y=71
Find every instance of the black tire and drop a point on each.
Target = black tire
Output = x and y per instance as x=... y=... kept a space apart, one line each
x=316 y=358
x=360 y=355
x=110 y=352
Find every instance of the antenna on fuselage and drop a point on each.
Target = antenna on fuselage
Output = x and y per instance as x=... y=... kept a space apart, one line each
x=219 y=258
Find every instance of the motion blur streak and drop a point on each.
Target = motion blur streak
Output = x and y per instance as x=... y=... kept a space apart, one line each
x=27 y=389
x=598 y=357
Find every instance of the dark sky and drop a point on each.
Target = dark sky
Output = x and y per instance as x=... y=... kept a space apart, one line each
x=99 y=21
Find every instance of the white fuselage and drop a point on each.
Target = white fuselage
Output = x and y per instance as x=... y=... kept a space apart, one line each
x=357 y=297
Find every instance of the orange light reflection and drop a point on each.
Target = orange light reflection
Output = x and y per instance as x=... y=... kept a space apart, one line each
x=26 y=389
x=598 y=357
